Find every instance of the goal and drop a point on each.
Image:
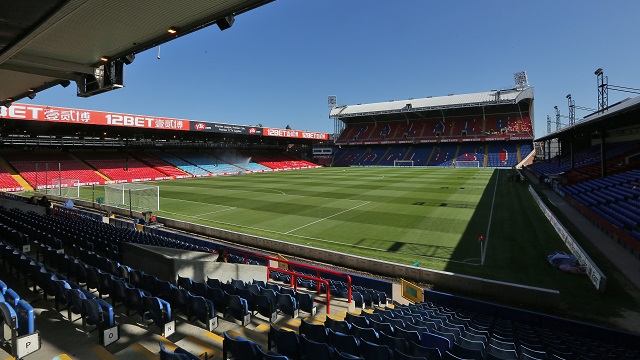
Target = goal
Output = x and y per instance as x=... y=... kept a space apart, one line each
x=467 y=164
x=68 y=188
x=138 y=197
x=405 y=163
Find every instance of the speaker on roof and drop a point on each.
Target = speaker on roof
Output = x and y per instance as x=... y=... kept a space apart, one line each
x=128 y=59
x=225 y=22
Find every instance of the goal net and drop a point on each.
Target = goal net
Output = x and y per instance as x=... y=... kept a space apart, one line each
x=467 y=164
x=138 y=197
x=69 y=188
x=403 y=163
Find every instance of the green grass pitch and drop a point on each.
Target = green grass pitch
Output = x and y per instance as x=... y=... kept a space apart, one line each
x=429 y=216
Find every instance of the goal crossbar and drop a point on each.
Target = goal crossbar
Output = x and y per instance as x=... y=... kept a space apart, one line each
x=135 y=196
x=65 y=187
x=402 y=162
x=467 y=164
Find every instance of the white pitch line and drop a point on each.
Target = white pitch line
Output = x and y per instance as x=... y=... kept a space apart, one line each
x=328 y=217
x=198 y=216
x=254 y=190
x=486 y=239
x=218 y=211
x=199 y=202
x=322 y=240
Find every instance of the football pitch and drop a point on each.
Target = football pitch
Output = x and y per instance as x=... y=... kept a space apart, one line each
x=427 y=217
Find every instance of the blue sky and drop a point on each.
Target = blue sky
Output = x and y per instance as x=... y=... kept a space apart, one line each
x=278 y=63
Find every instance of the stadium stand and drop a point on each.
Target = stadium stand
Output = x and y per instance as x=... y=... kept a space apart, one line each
x=181 y=164
x=586 y=161
x=7 y=182
x=502 y=155
x=282 y=162
x=614 y=199
x=209 y=163
x=469 y=154
x=443 y=155
x=119 y=167
x=424 y=330
x=241 y=161
x=160 y=165
x=44 y=171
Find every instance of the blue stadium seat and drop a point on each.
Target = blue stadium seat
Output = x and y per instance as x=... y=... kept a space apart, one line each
x=340 y=326
x=373 y=351
x=266 y=307
x=25 y=318
x=284 y=342
x=203 y=310
x=312 y=350
x=237 y=308
x=167 y=355
x=287 y=305
x=270 y=355
x=158 y=310
x=239 y=348
x=313 y=331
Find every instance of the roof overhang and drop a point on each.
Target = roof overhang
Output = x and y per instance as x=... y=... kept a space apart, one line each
x=44 y=43
x=490 y=98
x=597 y=119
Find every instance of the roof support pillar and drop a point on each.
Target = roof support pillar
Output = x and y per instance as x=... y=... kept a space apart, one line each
x=603 y=153
x=571 y=154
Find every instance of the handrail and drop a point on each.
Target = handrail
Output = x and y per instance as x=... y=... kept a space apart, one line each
x=294 y=283
x=293 y=263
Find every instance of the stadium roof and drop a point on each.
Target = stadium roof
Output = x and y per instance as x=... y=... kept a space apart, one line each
x=44 y=43
x=601 y=119
x=487 y=98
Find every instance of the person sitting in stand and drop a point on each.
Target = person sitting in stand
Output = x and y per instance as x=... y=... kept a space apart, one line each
x=44 y=202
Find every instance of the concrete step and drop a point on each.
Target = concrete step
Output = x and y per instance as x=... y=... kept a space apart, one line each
x=138 y=351
x=199 y=347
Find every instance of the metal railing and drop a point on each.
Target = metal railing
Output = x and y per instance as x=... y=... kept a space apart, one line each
x=294 y=275
x=318 y=270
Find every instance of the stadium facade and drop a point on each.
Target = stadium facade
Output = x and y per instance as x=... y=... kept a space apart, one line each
x=77 y=147
x=487 y=129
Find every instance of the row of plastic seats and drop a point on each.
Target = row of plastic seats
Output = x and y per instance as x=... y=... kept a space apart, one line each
x=102 y=236
x=260 y=293
x=363 y=297
x=146 y=294
x=244 y=300
x=93 y=311
x=527 y=341
x=107 y=279
x=16 y=313
x=193 y=306
x=369 y=343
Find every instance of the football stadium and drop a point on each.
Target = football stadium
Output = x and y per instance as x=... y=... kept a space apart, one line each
x=440 y=226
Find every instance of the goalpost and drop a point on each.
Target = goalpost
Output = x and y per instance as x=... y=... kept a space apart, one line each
x=69 y=188
x=138 y=197
x=467 y=164
x=406 y=163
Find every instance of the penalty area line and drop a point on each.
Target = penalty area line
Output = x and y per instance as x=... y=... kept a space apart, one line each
x=328 y=217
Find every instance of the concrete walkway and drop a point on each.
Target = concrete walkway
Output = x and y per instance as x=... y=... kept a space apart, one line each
x=627 y=263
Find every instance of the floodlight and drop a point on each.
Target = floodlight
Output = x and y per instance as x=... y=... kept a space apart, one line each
x=65 y=83
x=598 y=72
x=32 y=96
